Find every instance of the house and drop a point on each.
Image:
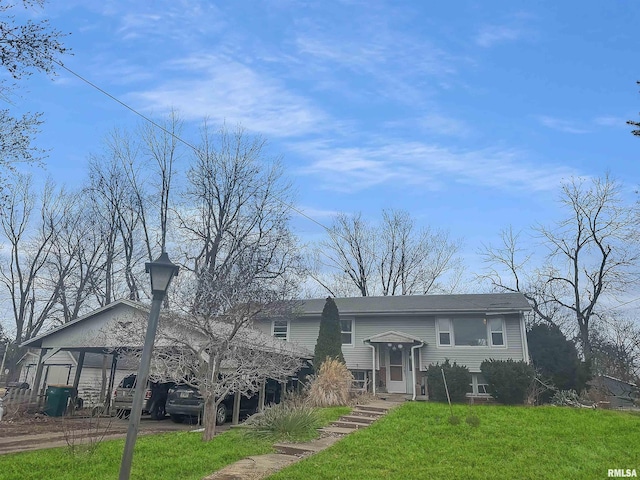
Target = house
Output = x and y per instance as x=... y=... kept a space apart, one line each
x=383 y=338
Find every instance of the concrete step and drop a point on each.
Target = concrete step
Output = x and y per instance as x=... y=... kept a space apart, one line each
x=305 y=448
x=336 y=430
x=382 y=409
x=357 y=419
x=348 y=424
x=366 y=413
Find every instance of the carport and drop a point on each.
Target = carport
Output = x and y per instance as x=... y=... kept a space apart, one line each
x=103 y=331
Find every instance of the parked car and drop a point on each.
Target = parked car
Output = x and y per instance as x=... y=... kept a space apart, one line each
x=155 y=397
x=185 y=402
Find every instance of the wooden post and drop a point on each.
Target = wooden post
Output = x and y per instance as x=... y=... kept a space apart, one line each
x=112 y=376
x=235 y=419
x=261 y=395
x=35 y=388
x=76 y=380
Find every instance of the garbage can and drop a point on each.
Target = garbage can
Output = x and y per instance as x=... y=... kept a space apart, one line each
x=57 y=399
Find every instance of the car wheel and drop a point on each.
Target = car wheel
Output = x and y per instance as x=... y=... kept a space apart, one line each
x=221 y=414
x=177 y=418
x=157 y=411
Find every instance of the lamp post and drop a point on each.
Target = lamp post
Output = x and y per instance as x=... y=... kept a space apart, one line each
x=161 y=272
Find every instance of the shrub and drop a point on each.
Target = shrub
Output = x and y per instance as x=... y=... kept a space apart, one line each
x=508 y=381
x=331 y=386
x=284 y=421
x=458 y=380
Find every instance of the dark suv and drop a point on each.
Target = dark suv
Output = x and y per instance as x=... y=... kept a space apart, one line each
x=186 y=403
x=155 y=397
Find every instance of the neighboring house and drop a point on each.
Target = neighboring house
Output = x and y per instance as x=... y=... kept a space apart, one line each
x=60 y=369
x=394 y=333
x=618 y=393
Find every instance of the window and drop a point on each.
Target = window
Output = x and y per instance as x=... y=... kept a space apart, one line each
x=359 y=379
x=478 y=385
x=497 y=333
x=444 y=331
x=281 y=329
x=347 y=331
x=470 y=332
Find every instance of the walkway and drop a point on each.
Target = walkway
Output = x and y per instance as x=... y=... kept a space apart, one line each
x=261 y=466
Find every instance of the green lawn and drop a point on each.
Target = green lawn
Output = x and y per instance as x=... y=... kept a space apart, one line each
x=179 y=455
x=417 y=441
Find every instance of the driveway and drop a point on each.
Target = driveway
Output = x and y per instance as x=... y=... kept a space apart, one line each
x=37 y=432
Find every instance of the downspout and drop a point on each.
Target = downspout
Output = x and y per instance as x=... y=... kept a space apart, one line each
x=523 y=334
x=413 y=370
x=373 y=370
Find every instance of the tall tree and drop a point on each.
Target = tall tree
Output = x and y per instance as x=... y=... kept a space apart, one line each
x=589 y=254
x=25 y=48
x=394 y=257
x=329 y=343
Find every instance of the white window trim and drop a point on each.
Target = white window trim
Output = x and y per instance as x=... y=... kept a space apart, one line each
x=474 y=387
x=353 y=331
x=504 y=332
x=450 y=331
x=273 y=324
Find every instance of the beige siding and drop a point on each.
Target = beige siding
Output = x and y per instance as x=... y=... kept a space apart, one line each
x=358 y=356
x=472 y=357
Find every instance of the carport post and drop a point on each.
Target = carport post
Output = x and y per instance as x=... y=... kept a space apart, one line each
x=112 y=379
x=263 y=386
x=235 y=419
x=76 y=379
x=161 y=271
x=35 y=388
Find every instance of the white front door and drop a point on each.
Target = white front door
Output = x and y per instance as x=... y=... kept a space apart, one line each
x=396 y=381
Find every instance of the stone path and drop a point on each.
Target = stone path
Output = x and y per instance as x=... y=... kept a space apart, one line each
x=261 y=466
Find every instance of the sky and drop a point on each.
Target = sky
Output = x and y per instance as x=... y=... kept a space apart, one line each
x=469 y=115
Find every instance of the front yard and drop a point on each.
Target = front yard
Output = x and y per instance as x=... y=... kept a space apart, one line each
x=417 y=441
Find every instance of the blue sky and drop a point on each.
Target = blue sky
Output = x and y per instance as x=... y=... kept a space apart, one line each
x=467 y=114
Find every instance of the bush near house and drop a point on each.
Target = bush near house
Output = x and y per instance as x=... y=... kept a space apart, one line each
x=458 y=380
x=508 y=381
x=331 y=386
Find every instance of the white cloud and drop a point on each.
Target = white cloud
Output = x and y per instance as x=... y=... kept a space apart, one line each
x=222 y=89
x=561 y=125
x=610 y=121
x=443 y=125
x=490 y=35
x=427 y=166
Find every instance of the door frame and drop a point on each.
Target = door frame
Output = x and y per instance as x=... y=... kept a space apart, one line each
x=397 y=386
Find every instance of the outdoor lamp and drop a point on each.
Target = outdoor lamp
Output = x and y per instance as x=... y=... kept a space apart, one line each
x=161 y=271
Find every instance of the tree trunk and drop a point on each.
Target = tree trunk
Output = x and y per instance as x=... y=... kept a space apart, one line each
x=210 y=407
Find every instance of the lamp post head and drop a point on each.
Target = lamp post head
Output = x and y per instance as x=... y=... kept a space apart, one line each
x=161 y=271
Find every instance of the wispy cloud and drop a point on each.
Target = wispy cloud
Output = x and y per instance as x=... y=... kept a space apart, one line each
x=222 y=89
x=561 y=125
x=490 y=35
x=406 y=164
x=610 y=121
x=443 y=125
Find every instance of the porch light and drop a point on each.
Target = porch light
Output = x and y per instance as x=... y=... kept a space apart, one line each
x=389 y=345
x=400 y=346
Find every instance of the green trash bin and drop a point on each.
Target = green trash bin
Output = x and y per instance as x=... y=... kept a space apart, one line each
x=57 y=399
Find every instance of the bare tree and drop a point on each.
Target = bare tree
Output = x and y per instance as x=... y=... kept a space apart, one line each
x=394 y=258
x=589 y=254
x=29 y=225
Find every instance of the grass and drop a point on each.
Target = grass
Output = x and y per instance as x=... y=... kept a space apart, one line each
x=180 y=455
x=416 y=440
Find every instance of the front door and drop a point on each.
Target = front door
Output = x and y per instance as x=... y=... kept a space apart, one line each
x=396 y=382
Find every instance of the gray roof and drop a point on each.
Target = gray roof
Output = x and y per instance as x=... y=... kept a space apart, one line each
x=485 y=303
